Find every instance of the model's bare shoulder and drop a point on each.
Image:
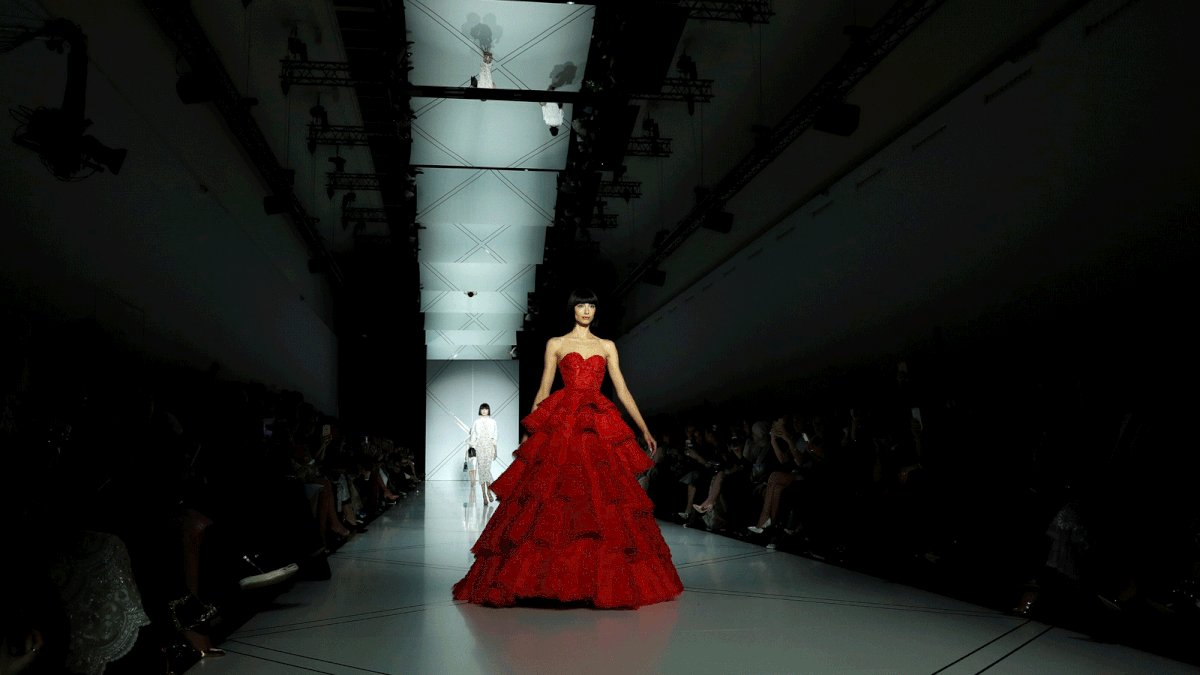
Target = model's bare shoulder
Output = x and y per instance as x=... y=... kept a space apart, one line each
x=609 y=346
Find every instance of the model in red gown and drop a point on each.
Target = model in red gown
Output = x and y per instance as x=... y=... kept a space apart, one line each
x=573 y=523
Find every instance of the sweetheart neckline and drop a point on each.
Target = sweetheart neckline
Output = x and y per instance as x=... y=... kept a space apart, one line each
x=564 y=358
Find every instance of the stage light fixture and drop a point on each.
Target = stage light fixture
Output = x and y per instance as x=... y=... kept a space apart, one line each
x=721 y=222
x=274 y=204
x=655 y=277
x=840 y=119
x=194 y=88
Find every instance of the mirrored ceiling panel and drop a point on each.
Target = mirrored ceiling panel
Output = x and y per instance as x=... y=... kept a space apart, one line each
x=476 y=277
x=533 y=44
x=471 y=243
x=443 y=351
x=523 y=198
x=498 y=134
x=489 y=322
x=458 y=302
x=471 y=337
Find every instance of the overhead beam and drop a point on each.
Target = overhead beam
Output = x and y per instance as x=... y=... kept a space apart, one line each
x=895 y=25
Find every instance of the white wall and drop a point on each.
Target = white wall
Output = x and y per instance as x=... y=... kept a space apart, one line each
x=453 y=392
x=1081 y=177
x=174 y=255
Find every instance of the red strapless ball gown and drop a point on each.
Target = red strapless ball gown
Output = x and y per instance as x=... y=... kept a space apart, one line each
x=573 y=523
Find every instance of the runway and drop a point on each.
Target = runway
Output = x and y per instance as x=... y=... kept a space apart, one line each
x=745 y=610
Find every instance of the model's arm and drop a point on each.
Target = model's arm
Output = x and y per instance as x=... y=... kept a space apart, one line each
x=473 y=437
x=614 y=371
x=547 y=371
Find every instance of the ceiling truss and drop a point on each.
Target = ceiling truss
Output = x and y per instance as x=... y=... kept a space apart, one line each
x=895 y=25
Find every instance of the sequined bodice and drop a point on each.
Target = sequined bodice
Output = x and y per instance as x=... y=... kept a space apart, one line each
x=580 y=373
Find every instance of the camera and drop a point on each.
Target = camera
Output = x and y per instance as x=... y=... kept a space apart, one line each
x=470 y=294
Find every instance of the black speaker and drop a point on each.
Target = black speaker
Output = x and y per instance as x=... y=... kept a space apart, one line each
x=840 y=119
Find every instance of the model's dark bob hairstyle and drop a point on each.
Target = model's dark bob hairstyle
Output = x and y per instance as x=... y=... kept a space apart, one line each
x=485 y=407
x=582 y=296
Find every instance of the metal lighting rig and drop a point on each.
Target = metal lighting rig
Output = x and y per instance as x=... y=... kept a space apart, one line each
x=648 y=146
x=899 y=21
x=361 y=181
x=603 y=221
x=740 y=11
x=345 y=134
x=368 y=214
x=684 y=89
x=327 y=74
x=181 y=27
x=619 y=189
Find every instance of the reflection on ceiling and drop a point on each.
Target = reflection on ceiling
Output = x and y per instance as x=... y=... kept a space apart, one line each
x=488 y=185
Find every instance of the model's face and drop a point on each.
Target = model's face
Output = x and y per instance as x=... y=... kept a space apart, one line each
x=485 y=412
x=585 y=312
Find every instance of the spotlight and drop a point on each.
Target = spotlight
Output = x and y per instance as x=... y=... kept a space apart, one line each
x=655 y=277
x=840 y=119
x=721 y=222
x=194 y=88
x=320 y=115
x=274 y=204
x=296 y=46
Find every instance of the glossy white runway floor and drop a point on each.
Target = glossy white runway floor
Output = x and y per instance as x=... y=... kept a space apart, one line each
x=745 y=610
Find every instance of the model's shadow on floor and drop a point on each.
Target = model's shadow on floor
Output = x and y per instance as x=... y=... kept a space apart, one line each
x=549 y=603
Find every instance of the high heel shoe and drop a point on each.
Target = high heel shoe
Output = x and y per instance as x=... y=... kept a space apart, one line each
x=759 y=530
x=702 y=508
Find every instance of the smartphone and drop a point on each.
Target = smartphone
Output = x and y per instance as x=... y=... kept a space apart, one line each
x=902 y=366
x=326 y=431
x=916 y=413
x=805 y=437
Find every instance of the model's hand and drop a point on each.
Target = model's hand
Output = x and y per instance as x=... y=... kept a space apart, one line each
x=650 y=443
x=12 y=663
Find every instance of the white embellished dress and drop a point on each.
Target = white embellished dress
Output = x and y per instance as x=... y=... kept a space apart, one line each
x=483 y=439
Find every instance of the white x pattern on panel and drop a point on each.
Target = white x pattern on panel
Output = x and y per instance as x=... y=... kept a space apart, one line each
x=484 y=228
